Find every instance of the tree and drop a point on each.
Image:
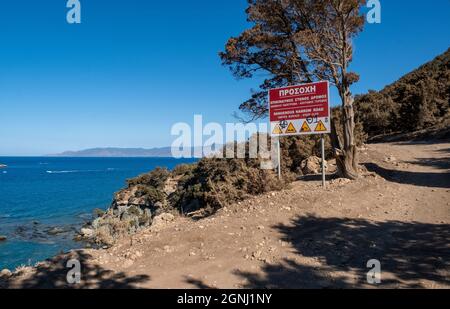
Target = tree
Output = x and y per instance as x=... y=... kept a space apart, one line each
x=299 y=41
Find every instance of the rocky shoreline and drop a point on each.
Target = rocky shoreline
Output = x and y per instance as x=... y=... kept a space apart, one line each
x=130 y=212
x=147 y=203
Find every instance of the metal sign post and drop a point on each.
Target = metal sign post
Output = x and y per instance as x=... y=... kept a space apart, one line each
x=324 y=181
x=279 y=158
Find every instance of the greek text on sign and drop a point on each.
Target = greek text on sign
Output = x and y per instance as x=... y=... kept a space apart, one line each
x=300 y=110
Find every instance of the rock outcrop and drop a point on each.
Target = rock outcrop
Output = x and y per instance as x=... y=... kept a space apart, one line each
x=312 y=166
x=131 y=210
x=5 y=274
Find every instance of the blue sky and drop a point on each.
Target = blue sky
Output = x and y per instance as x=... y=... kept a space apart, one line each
x=134 y=68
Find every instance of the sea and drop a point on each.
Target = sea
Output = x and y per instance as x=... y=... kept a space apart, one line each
x=44 y=201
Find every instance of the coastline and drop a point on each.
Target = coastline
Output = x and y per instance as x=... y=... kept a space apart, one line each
x=60 y=202
x=287 y=239
x=241 y=244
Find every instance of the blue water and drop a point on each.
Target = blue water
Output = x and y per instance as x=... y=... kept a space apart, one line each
x=37 y=194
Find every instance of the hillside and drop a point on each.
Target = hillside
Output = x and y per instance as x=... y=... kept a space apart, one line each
x=417 y=101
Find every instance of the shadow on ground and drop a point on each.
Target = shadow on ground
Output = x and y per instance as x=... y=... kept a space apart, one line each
x=412 y=252
x=312 y=178
x=439 y=163
x=198 y=284
x=53 y=275
x=432 y=180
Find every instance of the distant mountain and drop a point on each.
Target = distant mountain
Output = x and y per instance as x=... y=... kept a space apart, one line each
x=118 y=152
x=164 y=152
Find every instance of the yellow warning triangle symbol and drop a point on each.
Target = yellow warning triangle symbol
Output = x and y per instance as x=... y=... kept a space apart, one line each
x=321 y=127
x=305 y=128
x=291 y=129
x=277 y=130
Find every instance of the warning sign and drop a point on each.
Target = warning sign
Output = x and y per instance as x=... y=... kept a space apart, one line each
x=291 y=129
x=295 y=110
x=321 y=127
x=305 y=128
x=277 y=130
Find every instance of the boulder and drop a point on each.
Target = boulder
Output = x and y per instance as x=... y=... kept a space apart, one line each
x=132 y=209
x=3 y=238
x=104 y=235
x=97 y=222
x=3 y=166
x=5 y=274
x=312 y=166
x=116 y=222
x=87 y=233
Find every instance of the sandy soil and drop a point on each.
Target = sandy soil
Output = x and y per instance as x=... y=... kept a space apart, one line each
x=303 y=237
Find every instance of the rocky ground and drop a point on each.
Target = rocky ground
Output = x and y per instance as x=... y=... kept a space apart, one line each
x=302 y=237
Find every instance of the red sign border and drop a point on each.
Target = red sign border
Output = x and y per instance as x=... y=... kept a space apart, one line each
x=298 y=85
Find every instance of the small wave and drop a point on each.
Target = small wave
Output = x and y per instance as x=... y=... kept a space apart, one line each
x=4 y=172
x=5 y=216
x=61 y=172
x=74 y=171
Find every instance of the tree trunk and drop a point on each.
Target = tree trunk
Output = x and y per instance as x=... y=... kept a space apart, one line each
x=347 y=152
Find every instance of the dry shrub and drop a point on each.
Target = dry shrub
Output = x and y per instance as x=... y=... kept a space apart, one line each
x=155 y=178
x=216 y=183
x=111 y=229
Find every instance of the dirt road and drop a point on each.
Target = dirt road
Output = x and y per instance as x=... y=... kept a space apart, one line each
x=304 y=237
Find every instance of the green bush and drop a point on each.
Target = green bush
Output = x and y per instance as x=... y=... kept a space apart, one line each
x=155 y=178
x=151 y=194
x=183 y=169
x=216 y=183
x=417 y=101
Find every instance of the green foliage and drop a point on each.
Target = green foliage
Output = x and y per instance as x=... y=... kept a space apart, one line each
x=155 y=178
x=215 y=183
x=183 y=169
x=152 y=195
x=134 y=211
x=210 y=184
x=360 y=134
x=295 y=149
x=417 y=101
